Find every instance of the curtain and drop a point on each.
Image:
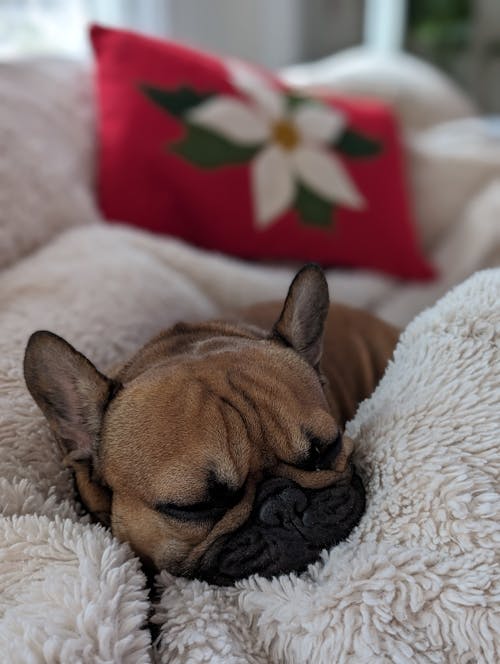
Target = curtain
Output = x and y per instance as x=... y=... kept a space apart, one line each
x=150 y=16
x=273 y=33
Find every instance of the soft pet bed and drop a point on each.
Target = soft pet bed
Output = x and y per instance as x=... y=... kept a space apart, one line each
x=418 y=580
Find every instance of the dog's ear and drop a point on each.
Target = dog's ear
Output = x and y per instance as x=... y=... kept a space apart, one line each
x=70 y=391
x=73 y=396
x=302 y=319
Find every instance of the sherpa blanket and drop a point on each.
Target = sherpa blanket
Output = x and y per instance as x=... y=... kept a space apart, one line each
x=418 y=580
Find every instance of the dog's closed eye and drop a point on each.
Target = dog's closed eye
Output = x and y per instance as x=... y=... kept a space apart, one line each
x=321 y=453
x=208 y=510
x=194 y=512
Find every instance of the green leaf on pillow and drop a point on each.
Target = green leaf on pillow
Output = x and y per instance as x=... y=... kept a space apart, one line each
x=294 y=99
x=312 y=209
x=355 y=145
x=176 y=102
x=209 y=150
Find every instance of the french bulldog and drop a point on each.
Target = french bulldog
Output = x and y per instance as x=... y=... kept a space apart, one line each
x=217 y=451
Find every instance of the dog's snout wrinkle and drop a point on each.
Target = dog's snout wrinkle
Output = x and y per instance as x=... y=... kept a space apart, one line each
x=288 y=527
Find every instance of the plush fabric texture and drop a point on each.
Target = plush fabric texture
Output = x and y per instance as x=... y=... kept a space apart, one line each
x=229 y=158
x=47 y=152
x=68 y=591
x=418 y=580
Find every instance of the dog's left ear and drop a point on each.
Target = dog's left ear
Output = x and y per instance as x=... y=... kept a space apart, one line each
x=302 y=319
x=73 y=395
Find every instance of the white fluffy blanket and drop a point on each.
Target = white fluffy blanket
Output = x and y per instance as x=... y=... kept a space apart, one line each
x=418 y=581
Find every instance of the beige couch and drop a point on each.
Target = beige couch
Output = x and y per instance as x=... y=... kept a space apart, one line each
x=47 y=171
x=418 y=580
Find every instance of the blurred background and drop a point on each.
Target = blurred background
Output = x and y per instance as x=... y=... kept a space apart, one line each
x=461 y=37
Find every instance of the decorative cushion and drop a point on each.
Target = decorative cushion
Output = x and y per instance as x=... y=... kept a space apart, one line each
x=47 y=152
x=229 y=158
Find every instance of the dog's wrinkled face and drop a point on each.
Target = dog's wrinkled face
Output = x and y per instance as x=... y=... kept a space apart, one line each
x=213 y=451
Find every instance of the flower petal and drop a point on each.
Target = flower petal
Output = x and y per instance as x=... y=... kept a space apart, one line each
x=318 y=122
x=272 y=184
x=230 y=118
x=246 y=79
x=325 y=175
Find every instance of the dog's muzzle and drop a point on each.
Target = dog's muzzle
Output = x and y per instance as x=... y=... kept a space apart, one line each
x=287 y=529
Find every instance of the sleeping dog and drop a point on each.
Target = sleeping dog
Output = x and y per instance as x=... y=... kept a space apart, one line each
x=218 y=451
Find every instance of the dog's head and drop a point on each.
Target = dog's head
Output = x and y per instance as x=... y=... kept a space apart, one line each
x=214 y=450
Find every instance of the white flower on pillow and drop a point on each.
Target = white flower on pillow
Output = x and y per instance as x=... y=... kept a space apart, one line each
x=291 y=143
x=296 y=143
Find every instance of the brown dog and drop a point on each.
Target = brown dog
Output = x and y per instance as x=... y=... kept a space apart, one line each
x=217 y=450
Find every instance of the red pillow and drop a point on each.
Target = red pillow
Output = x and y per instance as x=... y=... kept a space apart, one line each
x=228 y=158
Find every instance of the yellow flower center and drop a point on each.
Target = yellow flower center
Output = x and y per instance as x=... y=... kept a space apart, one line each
x=285 y=134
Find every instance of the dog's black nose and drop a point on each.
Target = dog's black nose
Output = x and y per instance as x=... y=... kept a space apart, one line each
x=279 y=500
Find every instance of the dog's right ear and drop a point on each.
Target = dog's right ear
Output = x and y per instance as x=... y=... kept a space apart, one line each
x=69 y=390
x=302 y=319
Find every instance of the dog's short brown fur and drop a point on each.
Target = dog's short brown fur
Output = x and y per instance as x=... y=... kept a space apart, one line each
x=173 y=449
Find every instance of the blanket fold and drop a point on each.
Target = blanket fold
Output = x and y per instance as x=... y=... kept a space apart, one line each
x=417 y=581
